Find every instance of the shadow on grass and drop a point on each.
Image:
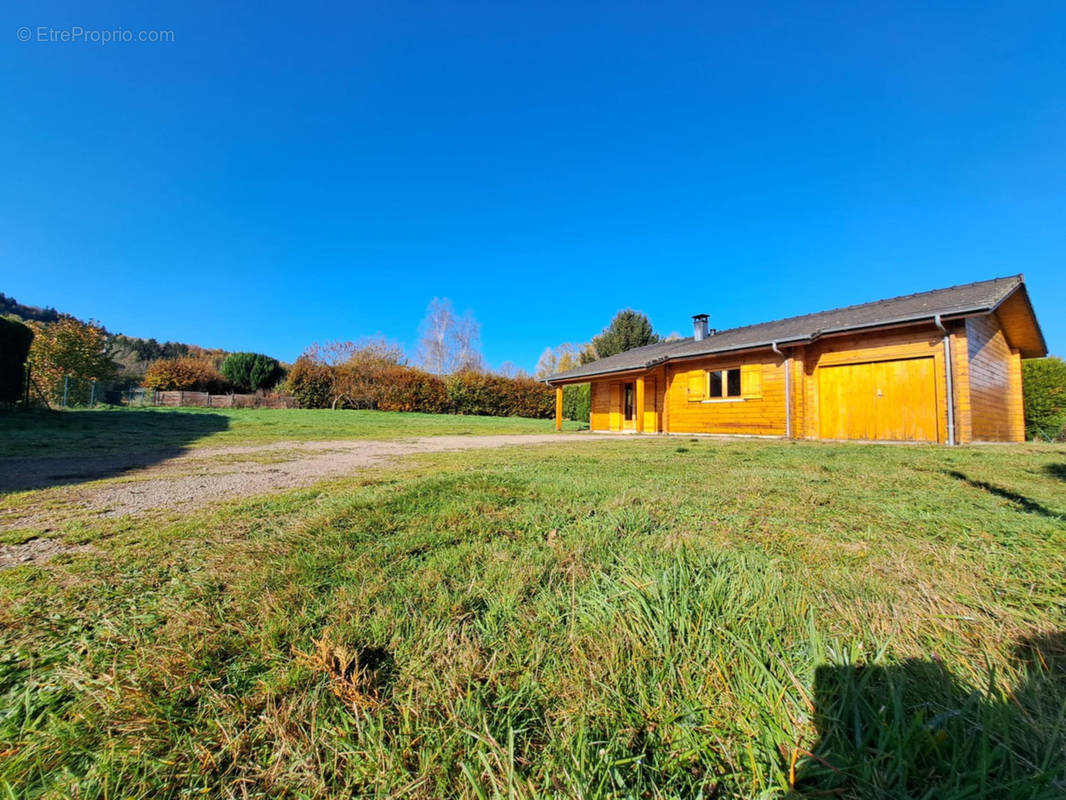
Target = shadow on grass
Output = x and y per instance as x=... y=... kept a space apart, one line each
x=1021 y=500
x=1056 y=471
x=39 y=450
x=914 y=730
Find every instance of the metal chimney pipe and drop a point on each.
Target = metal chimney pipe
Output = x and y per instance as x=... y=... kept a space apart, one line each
x=699 y=327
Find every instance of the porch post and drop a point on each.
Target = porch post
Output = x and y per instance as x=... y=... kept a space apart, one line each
x=558 y=408
x=640 y=404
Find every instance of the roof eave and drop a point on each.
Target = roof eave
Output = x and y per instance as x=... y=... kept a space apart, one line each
x=553 y=380
x=1032 y=314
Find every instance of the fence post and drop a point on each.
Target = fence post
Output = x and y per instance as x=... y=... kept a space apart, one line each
x=92 y=395
x=66 y=386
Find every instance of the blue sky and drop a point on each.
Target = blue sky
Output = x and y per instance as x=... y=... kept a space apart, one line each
x=285 y=173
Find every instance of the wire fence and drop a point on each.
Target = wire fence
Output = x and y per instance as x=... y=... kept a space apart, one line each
x=76 y=392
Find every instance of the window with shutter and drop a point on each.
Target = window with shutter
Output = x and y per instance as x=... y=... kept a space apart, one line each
x=696 y=383
x=751 y=380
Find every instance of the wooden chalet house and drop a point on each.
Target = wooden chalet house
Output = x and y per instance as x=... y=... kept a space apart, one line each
x=939 y=366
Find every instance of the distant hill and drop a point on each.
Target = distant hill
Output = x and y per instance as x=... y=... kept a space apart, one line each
x=131 y=354
x=9 y=306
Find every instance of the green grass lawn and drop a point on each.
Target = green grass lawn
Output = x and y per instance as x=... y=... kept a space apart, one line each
x=136 y=430
x=633 y=618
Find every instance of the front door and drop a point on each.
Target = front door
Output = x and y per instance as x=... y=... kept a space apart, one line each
x=629 y=406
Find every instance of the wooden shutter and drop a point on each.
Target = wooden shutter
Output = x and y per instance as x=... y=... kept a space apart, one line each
x=751 y=380
x=697 y=385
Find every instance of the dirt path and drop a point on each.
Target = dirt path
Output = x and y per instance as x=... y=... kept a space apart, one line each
x=181 y=481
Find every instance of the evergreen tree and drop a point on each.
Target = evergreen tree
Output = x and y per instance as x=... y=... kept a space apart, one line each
x=628 y=329
x=250 y=372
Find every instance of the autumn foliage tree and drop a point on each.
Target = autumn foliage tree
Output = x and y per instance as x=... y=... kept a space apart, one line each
x=310 y=382
x=184 y=374
x=70 y=349
x=344 y=374
x=359 y=380
x=559 y=359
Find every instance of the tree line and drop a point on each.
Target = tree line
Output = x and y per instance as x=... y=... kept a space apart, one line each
x=375 y=374
x=68 y=358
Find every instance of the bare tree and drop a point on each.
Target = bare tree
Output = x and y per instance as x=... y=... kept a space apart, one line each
x=558 y=359
x=466 y=338
x=547 y=363
x=449 y=342
x=332 y=353
x=437 y=326
x=352 y=370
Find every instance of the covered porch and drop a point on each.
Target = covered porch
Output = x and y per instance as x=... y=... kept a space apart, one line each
x=630 y=402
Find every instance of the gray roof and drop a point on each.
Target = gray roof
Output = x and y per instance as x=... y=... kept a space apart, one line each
x=955 y=301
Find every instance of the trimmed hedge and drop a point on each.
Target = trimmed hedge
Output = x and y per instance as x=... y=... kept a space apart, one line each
x=15 y=340
x=483 y=394
x=476 y=393
x=1044 y=390
x=408 y=389
x=577 y=401
x=381 y=384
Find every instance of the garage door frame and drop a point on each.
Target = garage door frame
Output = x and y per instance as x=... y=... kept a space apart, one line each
x=892 y=346
x=918 y=374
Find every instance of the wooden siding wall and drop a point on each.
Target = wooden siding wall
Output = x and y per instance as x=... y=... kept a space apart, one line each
x=960 y=365
x=600 y=406
x=797 y=359
x=995 y=402
x=1016 y=321
x=759 y=416
x=655 y=424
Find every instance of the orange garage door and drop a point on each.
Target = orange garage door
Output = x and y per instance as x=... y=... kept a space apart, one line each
x=892 y=400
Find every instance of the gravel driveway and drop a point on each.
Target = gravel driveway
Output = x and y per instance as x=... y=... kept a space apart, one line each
x=191 y=479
